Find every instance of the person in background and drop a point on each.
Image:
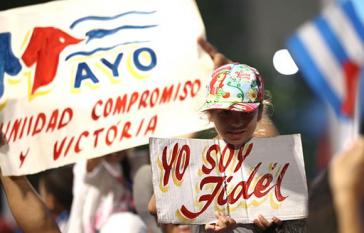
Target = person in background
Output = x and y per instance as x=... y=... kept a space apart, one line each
x=55 y=189
x=33 y=216
x=336 y=200
x=346 y=179
x=28 y=209
x=142 y=191
x=100 y=190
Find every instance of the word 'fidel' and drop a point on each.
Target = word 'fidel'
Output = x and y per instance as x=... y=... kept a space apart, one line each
x=174 y=165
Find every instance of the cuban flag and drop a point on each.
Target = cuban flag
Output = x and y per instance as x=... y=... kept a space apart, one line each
x=329 y=52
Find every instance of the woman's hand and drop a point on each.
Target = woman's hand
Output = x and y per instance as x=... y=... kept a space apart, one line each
x=223 y=223
x=264 y=224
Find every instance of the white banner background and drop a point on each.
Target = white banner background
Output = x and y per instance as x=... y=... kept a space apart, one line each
x=162 y=96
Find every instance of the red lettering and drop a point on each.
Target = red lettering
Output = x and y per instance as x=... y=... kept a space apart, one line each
x=143 y=99
x=182 y=157
x=96 y=136
x=185 y=155
x=168 y=166
x=249 y=181
x=64 y=121
x=69 y=146
x=23 y=156
x=233 y=197
x=154 y=97
x=14 y=130
x=94 y=115
x=133 y=99
x=52 y=121
x=126 y=133
x=108 y=107
x=140 y=127
x=242 y=157
x=277 y=190
x=210 y=159
x=23 y=127
x=57 y=150
x=207 y=198
x=222 y=166
x=195 y=91
x=166 y=94
x=113 y=132
x=152 y=125
x=185 y=91
x=120 y=104
x=261 y=188
x=222 y=198
x=30 y=125
x=39 y=123
x=176 y=93
x=77 y=146
x=244 y=185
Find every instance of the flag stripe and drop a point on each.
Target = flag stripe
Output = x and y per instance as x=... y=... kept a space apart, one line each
x=312 y=73
x=354 y=19
x=331 y=40
x=323 y=58
x=345 y=32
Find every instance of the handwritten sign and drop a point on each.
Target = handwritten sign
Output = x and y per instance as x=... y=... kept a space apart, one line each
x=84 y=78
x=193 y=178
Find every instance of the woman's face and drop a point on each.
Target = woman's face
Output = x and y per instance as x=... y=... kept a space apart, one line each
x=235 y=127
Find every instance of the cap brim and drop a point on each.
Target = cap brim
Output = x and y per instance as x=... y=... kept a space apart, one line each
x=240 y=107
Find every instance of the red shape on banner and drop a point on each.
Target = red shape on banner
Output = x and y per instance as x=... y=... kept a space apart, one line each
x=44 y=48
x=22 y=157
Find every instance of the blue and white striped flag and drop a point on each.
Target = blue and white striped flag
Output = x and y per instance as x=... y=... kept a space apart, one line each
x=329 y=52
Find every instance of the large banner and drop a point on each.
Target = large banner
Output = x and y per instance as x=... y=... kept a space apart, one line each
x=83 y=78
x=193 y=178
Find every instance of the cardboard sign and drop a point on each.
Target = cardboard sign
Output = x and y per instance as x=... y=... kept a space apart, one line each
x=192 y=178
x=84 y=78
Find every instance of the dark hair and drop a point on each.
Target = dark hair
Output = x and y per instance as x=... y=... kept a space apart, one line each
x=59 y=183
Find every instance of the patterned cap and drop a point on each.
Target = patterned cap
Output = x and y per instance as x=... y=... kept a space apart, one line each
x=236 y=87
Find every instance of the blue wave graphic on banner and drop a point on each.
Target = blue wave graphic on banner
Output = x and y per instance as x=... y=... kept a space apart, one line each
x=88 y=53
x=101 y=33
x=104 y=18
